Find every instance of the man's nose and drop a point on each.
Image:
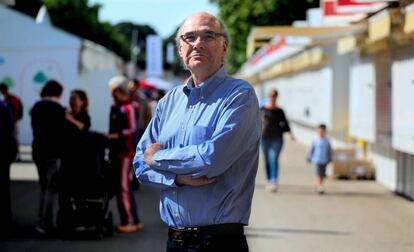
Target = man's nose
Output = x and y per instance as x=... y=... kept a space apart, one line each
x=199 y=41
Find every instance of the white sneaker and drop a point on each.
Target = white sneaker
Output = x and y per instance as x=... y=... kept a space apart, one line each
x=320 y=190
x=271 y=187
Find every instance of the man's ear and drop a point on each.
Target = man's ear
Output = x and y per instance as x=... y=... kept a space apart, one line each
x=179 y=51
x=225 y=46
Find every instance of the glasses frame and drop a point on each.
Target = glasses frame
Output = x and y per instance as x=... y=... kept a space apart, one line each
x=197 y=34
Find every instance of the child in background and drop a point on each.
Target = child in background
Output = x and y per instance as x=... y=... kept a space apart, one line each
x=320 y=155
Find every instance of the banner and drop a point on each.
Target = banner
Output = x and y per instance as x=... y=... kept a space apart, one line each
x=154 y=56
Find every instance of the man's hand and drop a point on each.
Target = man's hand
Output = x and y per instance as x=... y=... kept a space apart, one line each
x=187 y=180
x=150 y=151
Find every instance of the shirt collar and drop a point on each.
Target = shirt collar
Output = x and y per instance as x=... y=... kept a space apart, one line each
x=207 y=86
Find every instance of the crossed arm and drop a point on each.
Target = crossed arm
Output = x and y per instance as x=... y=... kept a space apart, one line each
x=237 y=129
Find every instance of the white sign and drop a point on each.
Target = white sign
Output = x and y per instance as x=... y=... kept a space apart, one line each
x=154 y=56
x=170 y=53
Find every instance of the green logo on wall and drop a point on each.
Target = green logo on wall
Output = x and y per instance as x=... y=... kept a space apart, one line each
x=40 y=78
x=2 y=60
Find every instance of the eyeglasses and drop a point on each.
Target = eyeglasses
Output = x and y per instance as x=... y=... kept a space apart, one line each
x=191 y=37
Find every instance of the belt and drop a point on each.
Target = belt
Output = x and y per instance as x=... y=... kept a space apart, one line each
x=191 y=233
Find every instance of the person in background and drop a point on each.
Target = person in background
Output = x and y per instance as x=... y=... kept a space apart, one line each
x=156 y=97
x=49 y=138
x=320 y=155
x=202 y=146
x=78 y=113
x=16 y=107
x=275 y=125
x=122 y=130
x=8 y=149
x=144 y=108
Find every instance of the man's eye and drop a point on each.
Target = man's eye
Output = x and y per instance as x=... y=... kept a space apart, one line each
x=209 y=37
x=190 y=38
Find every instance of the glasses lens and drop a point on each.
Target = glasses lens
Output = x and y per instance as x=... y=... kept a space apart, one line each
x=204 y=36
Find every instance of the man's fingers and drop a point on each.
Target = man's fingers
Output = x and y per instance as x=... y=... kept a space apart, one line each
x=155 y=146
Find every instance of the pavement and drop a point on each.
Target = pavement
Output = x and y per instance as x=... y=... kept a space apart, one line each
x=350 y=216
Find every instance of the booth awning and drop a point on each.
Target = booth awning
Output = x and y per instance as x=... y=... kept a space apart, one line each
x=260 y=34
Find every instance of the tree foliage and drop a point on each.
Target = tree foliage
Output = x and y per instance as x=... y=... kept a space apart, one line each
x=126 y=29
x=239 y=16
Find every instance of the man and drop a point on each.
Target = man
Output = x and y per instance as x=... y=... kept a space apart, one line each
x=144 y=115
x=16 y=107
x=8 y=149
x=202 y=146
x=49 y=137
x=122 y=130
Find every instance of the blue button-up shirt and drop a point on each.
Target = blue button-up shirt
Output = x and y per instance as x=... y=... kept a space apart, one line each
x=211 y=130
x=320 y=152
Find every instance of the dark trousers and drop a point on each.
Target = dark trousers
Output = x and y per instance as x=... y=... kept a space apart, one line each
x=206 y=241
x=48 y=170
x=5 y=206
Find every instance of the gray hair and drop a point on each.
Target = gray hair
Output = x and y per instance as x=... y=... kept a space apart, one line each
x=119 y=83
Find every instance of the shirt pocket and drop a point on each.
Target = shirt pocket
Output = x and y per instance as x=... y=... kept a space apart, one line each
x=200 y=134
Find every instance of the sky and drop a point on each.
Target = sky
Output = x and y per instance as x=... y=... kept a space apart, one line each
x=163 y=15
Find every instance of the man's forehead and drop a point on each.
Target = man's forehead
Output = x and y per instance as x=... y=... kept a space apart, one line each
x=201 y=23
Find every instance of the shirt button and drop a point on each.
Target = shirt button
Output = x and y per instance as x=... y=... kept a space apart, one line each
x=174 y=192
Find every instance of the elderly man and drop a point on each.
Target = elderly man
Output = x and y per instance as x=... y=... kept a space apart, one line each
x=202 y=146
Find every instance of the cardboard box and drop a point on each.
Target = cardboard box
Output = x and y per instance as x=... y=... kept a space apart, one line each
x=361 y=169
x=338 y=170
x=343 y=154
x=352 y=169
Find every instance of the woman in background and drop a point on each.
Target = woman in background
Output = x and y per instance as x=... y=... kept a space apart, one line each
x=78 y=113
x=275 y=125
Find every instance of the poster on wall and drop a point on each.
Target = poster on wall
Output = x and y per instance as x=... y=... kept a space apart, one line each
x=403 y=104
x=362 y=100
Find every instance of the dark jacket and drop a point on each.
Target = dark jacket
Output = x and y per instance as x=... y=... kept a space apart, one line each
x=275 y=123
x=50 y=129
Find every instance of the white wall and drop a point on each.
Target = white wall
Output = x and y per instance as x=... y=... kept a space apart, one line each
x=362 y=100
x=98 y=66
x=306 y=97
x=403 y=104
x=31 y=54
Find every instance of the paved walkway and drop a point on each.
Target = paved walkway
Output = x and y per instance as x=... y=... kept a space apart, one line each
x=351 y=216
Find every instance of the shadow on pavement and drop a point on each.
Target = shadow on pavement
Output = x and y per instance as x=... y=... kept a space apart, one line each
x=276 y=232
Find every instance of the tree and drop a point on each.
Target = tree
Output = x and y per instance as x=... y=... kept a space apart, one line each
x=28 y=7
x=239 y=16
